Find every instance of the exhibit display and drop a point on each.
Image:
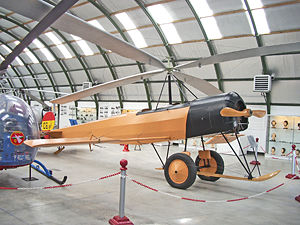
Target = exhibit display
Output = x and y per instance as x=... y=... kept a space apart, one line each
x=283 y=134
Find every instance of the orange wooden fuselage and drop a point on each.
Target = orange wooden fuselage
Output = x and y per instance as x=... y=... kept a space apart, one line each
x=149 y=127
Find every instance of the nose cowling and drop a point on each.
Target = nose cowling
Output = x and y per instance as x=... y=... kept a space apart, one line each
x=204 y=115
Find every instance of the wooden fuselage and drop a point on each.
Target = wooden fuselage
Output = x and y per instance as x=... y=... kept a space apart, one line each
x=169 y=123
x=196 y=118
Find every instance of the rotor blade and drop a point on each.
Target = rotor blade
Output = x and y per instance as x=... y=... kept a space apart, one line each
x=242 y=54
x=53 y=15
x=52 y=92
x=36 y=99
x=35 y=10
x=229 y=112
x=200 y=84
x=16 y=77
x=106 y=86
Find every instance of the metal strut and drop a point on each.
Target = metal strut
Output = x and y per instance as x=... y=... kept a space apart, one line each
x=163 y=165
x=248 y=172
x=237 y=138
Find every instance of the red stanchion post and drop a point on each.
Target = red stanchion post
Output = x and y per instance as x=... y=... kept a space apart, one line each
x=126 y=148
x=293 y=174
x=121 y=219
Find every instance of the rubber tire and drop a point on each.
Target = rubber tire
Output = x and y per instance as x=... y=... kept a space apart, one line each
x=220 y=166
x=192 y=171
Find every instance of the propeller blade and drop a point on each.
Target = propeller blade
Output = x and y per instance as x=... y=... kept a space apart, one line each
x=36 y=99
x=106 y=86
x=242 y=54
x=200 y=84
x=259 y=113
x=36 y=10
x=45 y=22
x=230 y=112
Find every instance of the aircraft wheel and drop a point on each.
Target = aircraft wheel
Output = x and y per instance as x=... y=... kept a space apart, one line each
x=180 y=171
x=216 y=166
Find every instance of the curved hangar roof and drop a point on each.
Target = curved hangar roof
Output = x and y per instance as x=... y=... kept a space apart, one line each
x=179 y=30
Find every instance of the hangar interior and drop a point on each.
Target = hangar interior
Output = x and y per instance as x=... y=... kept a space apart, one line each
x=64 y=60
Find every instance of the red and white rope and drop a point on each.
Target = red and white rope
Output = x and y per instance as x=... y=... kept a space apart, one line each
x=59 y=186
x=206 y=201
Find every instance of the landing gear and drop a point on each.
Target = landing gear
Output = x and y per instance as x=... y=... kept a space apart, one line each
x=180 y=171
x=214 y=165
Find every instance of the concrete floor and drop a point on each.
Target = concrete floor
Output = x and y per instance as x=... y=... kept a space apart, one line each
x=97 y=201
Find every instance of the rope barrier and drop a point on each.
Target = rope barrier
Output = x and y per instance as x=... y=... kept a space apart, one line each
x=149 y=188
x=207 y=201
x=59 y=186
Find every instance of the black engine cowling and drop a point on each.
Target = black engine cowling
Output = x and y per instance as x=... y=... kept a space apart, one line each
x=204 y=115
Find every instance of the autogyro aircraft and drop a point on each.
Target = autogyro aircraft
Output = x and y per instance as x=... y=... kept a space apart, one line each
x=216 y=114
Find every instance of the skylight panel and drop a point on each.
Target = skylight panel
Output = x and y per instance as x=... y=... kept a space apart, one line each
x=44 y=50
x=17 y=58
x=83 y=45
x=28 y=53
x=59 y=45
x=95 y=23
x=126 y=21
x=208 y=21
x=202 y=8
x=259 y=17
x=261 y=21
x=171 y=33
x=165 y=20
x=211 y=28
x=31 y=56
x=6 y=48
x=160 y=14
x=134 y=33
x=137 y=38
x=53 y=38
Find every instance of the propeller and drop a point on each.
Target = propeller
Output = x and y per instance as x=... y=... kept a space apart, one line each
x=45 y=22
x=230 y=112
